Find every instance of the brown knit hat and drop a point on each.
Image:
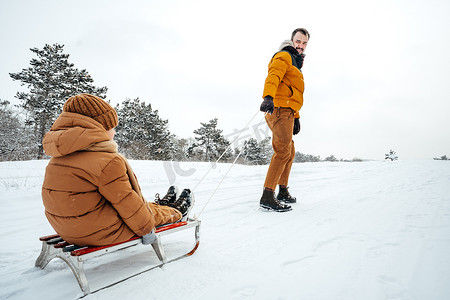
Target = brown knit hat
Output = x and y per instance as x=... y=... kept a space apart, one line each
x=94 y=107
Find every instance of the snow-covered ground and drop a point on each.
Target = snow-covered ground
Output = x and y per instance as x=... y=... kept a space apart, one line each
x=368 y=230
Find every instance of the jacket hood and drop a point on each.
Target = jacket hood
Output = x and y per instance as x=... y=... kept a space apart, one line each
x=285 y=44
x=288 y=45
x=72 y=132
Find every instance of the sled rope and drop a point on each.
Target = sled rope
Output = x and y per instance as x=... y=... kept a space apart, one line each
x=229 y=169
x=229 y=147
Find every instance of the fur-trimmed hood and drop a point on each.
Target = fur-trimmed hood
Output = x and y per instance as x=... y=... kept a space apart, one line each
x=288 y=45
x=285 y=44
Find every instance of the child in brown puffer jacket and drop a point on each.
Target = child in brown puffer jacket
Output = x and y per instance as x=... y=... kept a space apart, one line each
x=90 y=193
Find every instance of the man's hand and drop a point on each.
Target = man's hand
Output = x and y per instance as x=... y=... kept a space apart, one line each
x=267 y=105
x=296 y=126
x=149 y=238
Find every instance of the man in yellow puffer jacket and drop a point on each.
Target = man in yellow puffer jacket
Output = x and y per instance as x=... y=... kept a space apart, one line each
x=283 y=99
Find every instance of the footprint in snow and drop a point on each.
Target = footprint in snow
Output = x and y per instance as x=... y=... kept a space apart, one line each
x=243 y=292
x=392 y=289
x=380 y=251
x=291 y=267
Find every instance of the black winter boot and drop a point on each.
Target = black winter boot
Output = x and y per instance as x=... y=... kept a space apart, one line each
x=269 y=202
x=283 y=195
x=169 y=199
x=185 y=203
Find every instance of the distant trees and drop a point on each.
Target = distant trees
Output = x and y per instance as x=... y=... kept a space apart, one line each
x=391 y=155
x=17 y=141
x=209 y=143
x=301 y=158
x=51 y=79
x=331 y=158
x=444 y=157
x=256 y=152
x=141 y=133
x=181 y=148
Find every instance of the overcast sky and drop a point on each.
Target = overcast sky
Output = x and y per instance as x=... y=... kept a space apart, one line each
x=376 y=72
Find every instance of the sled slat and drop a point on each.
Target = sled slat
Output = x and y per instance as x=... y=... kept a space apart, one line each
x=48 y=237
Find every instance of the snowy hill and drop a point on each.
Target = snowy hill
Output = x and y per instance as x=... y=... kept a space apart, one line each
x=368 y=230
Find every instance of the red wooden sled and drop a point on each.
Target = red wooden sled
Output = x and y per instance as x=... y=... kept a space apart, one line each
x=54 y=246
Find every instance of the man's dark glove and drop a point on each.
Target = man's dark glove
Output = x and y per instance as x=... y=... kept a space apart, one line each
x=296 y=126
x=149 y=238
x=267 y=105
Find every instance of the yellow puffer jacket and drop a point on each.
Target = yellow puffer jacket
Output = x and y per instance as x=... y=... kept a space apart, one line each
x=87 y=195
x=284 y=83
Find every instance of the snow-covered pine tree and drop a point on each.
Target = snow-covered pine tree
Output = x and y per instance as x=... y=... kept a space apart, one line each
x=181 y=147
x=209 y=143
x=301 y=158
x=51 y=79
x=391 y=155
x=258 y=153
x=331 y=158
x=141 y=133
x=251 y=151
x=16 y=140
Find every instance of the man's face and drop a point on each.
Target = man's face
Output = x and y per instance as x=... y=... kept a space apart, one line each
x=300 y=42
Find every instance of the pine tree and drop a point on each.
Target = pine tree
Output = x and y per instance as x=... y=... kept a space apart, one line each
x=258 y=153
x=391 y=155
x=301 y=158
x=181 y=147
x=209 y=143
x=51 y=79
x=331 y=158
x=16 y=140
x=141 y=133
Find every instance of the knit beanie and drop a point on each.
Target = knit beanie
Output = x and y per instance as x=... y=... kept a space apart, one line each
x=93 y=107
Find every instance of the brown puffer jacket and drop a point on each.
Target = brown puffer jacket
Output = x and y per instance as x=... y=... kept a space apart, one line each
x=87 y=195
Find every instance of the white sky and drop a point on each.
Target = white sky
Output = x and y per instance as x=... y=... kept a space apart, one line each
x=376 y=72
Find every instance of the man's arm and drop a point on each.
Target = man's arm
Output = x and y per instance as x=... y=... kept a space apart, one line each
x=277 y=68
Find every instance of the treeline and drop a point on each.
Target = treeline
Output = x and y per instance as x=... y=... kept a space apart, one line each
x=141 y=133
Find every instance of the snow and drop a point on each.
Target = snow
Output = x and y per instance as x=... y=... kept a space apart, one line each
x=361 y=230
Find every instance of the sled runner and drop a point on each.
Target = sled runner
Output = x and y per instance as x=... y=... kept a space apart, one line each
x=54 y=246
